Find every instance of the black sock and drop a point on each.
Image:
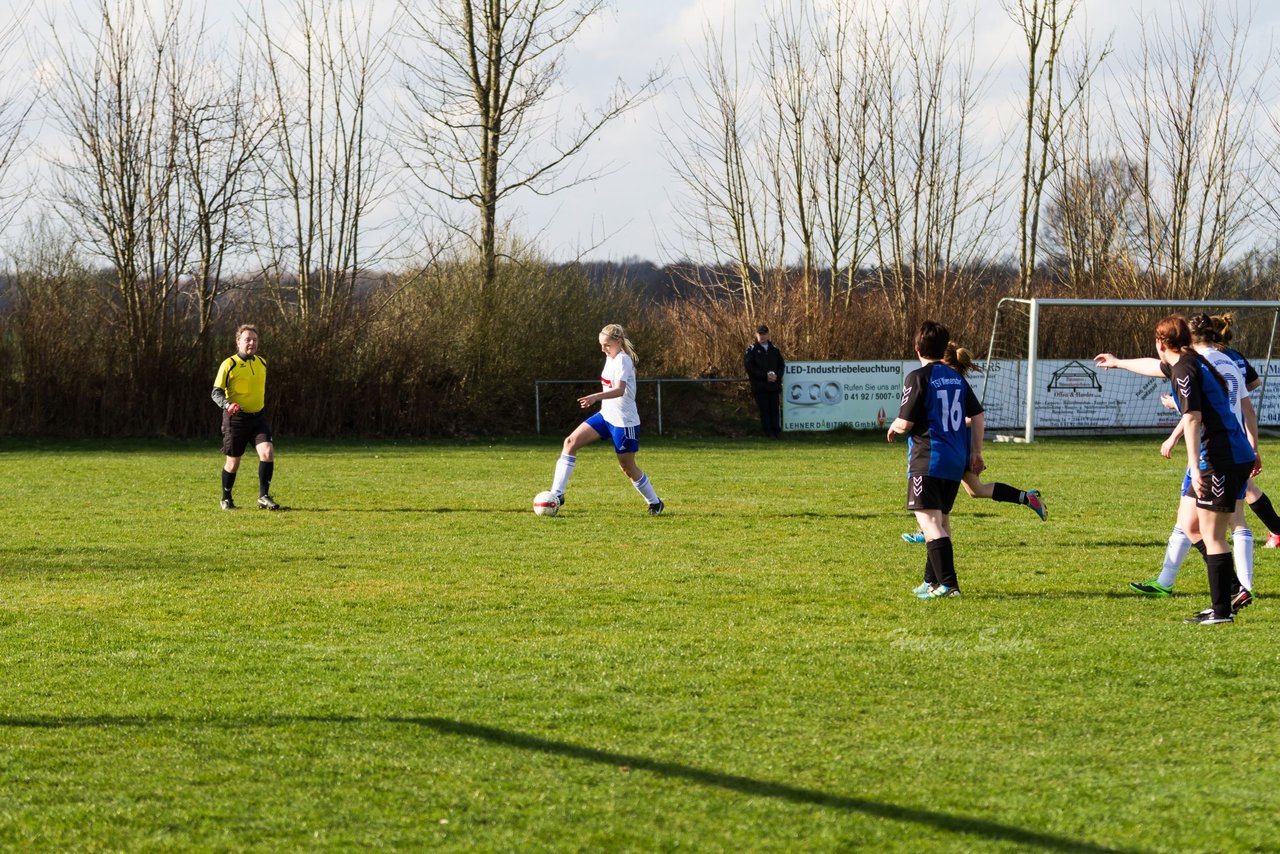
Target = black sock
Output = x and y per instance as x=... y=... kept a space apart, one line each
x=1263 y=510
x=1204 y=551
x=228 y=481
x=944 y=562
x=1006 y=493
x=1222 y=569
x=265 y=470
x=930 y=577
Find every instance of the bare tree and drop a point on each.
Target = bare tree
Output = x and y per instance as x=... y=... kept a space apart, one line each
x=323 y=168
x=841 y=162
x=1188 y=125
x=720 y=149
x=932 y=211
x=220 y=140
x=1089 y=223
x=16 y=106
x=482 y=123
x=1044 y=25
x=120 y=185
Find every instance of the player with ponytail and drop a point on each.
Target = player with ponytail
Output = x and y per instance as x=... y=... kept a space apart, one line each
x=618 y=419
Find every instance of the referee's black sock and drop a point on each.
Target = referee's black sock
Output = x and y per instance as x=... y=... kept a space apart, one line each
x=1006 y=493
x=1263 y=510
x=228 y=481
x=1222 y=570
x=265 y=470
x=944 y=563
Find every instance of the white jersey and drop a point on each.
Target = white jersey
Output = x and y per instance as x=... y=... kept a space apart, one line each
x=1225 y=365
x=620 y=411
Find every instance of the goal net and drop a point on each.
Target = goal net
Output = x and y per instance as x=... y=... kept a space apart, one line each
x=1039 y=375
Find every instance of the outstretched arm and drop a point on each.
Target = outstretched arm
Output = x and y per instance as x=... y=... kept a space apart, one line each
x=1146 y=367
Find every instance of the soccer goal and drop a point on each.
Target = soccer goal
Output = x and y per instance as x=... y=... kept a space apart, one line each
x=1039 y=375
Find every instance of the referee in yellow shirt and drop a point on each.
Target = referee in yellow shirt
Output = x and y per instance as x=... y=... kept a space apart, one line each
x=240 y=391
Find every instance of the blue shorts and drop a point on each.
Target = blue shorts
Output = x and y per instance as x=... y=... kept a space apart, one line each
x=626 y=440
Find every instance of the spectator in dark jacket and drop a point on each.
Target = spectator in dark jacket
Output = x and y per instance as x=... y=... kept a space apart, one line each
x=764 y=365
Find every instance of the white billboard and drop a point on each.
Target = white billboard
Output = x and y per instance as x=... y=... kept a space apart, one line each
x=828 y=395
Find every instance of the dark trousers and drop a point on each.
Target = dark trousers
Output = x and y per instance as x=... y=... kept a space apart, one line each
x=770 y=404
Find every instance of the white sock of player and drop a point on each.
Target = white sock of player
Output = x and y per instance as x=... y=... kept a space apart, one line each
x=1242 y=550
x=564 y=468
x=645 y=488
x=1174 y=555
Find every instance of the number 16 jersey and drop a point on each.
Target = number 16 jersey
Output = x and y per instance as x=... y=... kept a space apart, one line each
x=937 y=400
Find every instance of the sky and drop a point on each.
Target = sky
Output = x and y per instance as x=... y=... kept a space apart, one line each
x=626 y=213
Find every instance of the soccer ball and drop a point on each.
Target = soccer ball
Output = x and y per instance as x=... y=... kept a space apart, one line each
x=546 y=504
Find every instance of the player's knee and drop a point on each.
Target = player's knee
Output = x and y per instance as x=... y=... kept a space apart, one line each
x=232 y=464
x=266 y=452
x=570 y=446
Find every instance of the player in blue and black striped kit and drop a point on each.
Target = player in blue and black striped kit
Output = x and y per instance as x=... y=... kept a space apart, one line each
x=943 y=420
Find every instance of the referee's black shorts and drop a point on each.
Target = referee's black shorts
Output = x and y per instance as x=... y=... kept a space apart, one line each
x=242 y=429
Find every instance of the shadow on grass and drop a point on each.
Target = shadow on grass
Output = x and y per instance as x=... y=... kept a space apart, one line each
x=1064 y=594
x=958 y=824
x=423 y=510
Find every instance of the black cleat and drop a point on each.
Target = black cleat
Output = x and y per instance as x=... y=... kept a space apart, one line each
x=1241 y=600
x=656 y=509
x=1206 y=618
x=266 y=502
x=228 y=504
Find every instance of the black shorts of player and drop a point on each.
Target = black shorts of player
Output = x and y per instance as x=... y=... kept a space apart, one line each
x=931 y=493
x=242 y=429
x=1224 y=484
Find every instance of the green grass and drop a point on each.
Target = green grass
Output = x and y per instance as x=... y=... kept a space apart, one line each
x=409 y=657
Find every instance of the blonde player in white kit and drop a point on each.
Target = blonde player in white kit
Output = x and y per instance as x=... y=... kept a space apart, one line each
x=618 y=419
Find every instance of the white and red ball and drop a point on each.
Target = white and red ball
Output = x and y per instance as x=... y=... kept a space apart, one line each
x=546 y=504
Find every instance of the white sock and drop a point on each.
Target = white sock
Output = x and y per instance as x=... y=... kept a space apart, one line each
x=1174 y=555
x=645 y=488
x=564 y=468
x=1242 y=551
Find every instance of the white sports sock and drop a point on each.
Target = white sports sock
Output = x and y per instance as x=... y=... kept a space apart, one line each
x=1174 y=555
x=564 y=468
x=1242 y=551
x=645 y=488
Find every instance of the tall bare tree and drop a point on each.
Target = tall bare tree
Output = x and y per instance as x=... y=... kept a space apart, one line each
x=725 y=155
x=482 y=121
x=16 y=106
x=1188 y=123
x=324 y=166
x=1044 y=25
x=932 y=209
x=119 y=185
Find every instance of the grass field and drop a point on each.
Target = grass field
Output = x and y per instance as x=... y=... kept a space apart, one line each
x=409 y=658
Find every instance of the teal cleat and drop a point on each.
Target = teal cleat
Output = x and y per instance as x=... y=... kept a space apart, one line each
x=940 y=591
x=917 y=537
x=1036 y=502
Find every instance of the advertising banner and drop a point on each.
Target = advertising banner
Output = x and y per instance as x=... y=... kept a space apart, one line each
x=828 y=395
x=1071 y=394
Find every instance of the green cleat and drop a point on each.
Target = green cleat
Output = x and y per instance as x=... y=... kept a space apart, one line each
x=1151 y=588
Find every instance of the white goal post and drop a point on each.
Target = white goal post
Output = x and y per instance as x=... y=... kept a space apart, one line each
x=1039 y=371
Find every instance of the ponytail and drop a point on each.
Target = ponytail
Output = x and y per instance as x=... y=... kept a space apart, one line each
x=959 y=359
x=615 y=332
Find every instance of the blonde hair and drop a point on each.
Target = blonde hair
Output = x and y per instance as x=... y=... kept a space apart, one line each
x=959 y=359
x=615 y=332
x=1222 y=323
